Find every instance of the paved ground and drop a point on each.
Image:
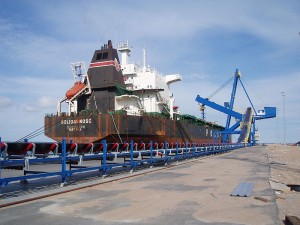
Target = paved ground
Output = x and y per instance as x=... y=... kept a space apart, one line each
x=197 y=192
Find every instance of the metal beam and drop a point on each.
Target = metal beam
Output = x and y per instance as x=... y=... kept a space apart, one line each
x=218 y=107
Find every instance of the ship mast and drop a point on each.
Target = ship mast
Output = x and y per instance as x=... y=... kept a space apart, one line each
x=144 y=60
x=125 y=52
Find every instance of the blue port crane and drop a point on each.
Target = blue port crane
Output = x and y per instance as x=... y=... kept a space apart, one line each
x=246 y=121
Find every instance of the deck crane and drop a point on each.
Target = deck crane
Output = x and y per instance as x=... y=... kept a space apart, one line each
x=246 y=121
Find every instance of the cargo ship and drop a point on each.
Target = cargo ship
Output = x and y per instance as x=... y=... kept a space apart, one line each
x=123 y=101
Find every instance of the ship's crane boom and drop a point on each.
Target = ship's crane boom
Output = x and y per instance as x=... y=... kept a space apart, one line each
x=244 y=121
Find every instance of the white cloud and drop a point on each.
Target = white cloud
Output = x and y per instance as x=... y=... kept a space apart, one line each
x=41 y=104
x=160 y=19
x=47 y=102
x=32 y=95
x=29 y=108
x=5 y=102
x=32 y=98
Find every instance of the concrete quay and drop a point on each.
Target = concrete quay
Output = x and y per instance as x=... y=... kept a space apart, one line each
x=191 y=192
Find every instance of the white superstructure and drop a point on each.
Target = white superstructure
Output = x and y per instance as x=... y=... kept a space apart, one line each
x=151 y=89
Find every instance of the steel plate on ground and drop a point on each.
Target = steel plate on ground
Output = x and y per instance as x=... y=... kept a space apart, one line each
x=244 y=189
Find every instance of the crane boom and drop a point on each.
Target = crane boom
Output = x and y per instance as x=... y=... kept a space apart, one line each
x=218 y=107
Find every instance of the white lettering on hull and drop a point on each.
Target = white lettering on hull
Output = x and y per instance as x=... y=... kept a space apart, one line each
x=76 y=121
x=76 y=128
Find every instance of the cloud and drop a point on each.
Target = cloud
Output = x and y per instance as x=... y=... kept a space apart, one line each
x=32 y=98
x=47 y=101
x=36 y=51
x=171 y=21
x=30 y=108
x=5 y=102
x=177 y=26
x=41 y=104
x=32 y=94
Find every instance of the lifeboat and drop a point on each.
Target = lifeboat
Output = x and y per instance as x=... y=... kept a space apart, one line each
x=78 y=86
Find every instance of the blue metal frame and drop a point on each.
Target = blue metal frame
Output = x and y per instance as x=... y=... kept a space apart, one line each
x=270 y=112
x=167 y=155
x=232 y=98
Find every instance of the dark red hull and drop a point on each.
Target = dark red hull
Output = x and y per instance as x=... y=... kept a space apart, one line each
x=123 y=128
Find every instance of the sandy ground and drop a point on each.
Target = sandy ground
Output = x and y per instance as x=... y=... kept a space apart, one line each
x=285 y=169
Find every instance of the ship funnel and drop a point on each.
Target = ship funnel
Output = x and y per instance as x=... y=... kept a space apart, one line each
x=109 y=44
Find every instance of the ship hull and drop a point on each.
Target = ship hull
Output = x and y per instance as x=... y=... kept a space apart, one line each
x=124 y=128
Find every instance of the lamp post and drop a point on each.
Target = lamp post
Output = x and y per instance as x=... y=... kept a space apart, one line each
x=283 y=115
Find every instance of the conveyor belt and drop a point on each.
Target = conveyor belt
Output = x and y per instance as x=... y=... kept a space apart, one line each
x=108 y=157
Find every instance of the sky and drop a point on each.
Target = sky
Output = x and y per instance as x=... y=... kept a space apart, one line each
x=203 y=41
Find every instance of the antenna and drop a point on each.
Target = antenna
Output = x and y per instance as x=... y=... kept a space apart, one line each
x=144 y=60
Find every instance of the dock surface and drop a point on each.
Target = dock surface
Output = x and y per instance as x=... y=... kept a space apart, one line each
x=191 y=192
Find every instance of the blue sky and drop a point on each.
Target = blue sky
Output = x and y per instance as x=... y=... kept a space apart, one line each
x=204 y=41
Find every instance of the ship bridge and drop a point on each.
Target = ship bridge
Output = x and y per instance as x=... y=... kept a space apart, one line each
x=152 y=87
